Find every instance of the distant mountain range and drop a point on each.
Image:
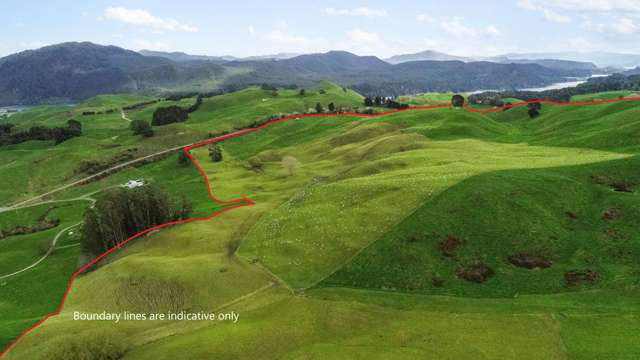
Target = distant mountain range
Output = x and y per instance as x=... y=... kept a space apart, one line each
x=634 y=71
x=73 y=71
x=599 y=58
x=182 y=57
x=591 y=59
x=427 y=55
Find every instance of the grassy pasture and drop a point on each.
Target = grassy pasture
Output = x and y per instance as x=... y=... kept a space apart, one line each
x=334 y=226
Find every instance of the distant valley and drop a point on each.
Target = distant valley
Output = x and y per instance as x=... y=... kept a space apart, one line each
x=71 y=72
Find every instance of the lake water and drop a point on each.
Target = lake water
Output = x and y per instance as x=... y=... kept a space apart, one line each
x=556 y=86
x=11 y=109
x=559 y=85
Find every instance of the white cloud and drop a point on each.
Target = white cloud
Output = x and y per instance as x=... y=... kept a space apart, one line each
x=621 y=25
x=251 y=30
x=549 y=14
x=145 y=18
x=361 y=11
x=359 y=35
x=426 y=18
x=590 y=5
x=553 y=16
x=625 y=26
x=527 y=4
x=492 y=30
x=457 y=28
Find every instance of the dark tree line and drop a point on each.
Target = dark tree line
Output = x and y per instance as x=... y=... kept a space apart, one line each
x=140 y=104
x=384 y=101
x=57 y=134
x=121 y=213
x=169 y=115
x=174 y=113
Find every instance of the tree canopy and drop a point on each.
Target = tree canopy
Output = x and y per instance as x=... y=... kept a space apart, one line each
x=122 y=213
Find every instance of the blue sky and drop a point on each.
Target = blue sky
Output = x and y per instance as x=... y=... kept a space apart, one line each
x=382 y=28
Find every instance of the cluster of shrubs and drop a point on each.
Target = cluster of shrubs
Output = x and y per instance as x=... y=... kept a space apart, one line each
x=487 y=98
x=385 y=101
x=174 y=113
x=494 y=99
x=140 y=104
x=57 y=134
x=91 y=112
x=95 y=166
x=141 y=127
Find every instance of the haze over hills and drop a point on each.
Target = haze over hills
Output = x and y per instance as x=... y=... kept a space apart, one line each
x=594 y=58
x=599 y=58
x=70 y=72
x=634 y=71
x=181 y=56
x=425 y=55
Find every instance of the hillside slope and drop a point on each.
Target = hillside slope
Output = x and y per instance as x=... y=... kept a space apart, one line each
x=74 y=71
x=341 y=253
x=70 y=72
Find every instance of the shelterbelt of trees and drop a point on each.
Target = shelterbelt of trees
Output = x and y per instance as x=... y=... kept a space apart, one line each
x=121 y=213
x=57 y=134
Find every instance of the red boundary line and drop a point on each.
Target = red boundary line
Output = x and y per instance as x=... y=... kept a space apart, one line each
x=245 y=201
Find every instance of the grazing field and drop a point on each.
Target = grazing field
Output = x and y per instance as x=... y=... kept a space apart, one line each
x=401 y=236
x=107 y=138
x=28 y=295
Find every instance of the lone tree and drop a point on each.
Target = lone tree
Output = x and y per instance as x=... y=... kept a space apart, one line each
x=534 y=109
x=331 y=107
x=302 y=92
x=141 y=127
x=122 y=213
x=457 y=100
x=215 y=153
x=183 y=159
x=319 y=108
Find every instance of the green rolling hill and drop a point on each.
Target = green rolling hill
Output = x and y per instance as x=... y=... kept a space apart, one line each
x=432 y=234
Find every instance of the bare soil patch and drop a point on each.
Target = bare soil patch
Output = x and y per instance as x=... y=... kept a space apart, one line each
x=571 y=215
x=611 y=213
x=477 y=273
x=450 y=245
x=530 y=261
x=44 y=223
x=577 y=277
x=622 y=186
